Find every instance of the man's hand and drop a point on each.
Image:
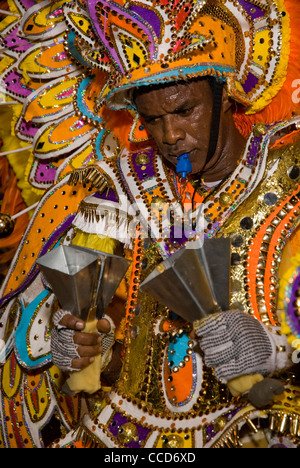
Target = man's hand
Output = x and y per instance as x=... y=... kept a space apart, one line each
x=235 y=344
x=73 y=349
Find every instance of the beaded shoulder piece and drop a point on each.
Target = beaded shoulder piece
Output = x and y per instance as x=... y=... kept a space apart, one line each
x=150 y=183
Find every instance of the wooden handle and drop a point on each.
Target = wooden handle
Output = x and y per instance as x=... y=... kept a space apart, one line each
x=242 y=384
x=87 y=379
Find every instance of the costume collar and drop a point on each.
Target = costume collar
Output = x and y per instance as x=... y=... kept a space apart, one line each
x=154 y=190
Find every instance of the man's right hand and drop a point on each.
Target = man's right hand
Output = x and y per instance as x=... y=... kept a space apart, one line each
x=73 y=349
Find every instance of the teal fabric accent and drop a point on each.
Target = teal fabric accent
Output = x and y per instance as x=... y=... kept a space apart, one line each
x=178 y=349
x=80 y=101
x=71 y=38
x=21 y=335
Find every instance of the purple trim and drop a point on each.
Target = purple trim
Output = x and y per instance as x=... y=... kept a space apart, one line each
x=94 y=15
x=253 y=152
x=210 y=431
x=110 y=195
x=176 y=239
x=116 y=425
x=252 y=10
x=293 y=320
x=13 y=85
x=34 y=270
x=27 y=3
x=250 y=83
x=28 y=128
x=13 y=41
x=149 y=16
x=45 y=174
x=148 y=172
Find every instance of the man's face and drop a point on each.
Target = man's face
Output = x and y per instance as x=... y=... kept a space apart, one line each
x=179 y=119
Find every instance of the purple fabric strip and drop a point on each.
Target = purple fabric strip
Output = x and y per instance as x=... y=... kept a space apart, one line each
x=253 y=153
x=210 y=430
x=27 y=3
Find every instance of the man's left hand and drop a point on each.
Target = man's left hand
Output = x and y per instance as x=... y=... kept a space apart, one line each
x=235 y=344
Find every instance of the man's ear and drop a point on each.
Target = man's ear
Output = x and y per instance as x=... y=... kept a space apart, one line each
x=226 y=101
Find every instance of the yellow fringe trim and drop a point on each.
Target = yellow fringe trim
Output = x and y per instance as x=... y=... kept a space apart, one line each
x=96 y=242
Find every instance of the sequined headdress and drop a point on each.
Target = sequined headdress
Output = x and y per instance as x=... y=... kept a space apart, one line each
x=143 y=42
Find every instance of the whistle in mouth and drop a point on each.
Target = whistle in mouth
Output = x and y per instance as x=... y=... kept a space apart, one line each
x=184 y=165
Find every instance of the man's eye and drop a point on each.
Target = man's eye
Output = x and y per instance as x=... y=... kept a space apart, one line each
x=150 y=120
x=186 y=111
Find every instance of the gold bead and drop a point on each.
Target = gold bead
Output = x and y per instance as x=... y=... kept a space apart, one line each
x=174 y=441
x=219 y=423
x=6 y=225
x=128 y=433
x=158 y=202
x=142 y=159
x=225 y=199
x=259 y=129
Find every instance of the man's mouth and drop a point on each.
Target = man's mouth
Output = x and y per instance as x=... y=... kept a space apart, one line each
x=178 y=154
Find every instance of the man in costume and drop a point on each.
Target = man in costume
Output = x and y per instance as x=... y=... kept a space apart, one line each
x=165 y=75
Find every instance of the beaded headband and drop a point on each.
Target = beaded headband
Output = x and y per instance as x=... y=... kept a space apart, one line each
x=148 y=42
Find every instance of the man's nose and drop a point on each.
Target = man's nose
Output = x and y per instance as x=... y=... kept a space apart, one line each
x=172 y=131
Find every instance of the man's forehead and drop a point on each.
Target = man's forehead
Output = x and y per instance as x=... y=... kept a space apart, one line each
x=171 y=96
